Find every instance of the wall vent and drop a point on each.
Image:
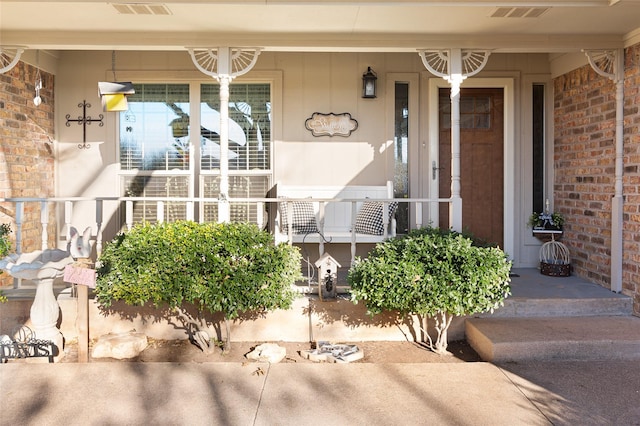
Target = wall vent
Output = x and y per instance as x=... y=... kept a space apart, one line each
x=141 y=9
x=519 y=12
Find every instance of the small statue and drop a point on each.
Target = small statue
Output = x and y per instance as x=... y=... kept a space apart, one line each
x=79 y=246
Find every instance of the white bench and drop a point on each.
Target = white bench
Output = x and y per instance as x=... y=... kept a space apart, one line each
x=337 y=214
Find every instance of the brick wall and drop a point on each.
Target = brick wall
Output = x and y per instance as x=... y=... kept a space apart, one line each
x=631 y=248
x=26 y=149
x=584 y=164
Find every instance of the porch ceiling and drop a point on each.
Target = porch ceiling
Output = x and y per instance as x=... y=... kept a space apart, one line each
x=355 y=25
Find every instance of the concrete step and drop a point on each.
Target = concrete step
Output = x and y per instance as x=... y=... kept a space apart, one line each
x=537 y=295
x=607 y=304
x=555 y=338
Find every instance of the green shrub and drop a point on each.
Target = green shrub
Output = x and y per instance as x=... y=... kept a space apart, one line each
x=5 y=247
x=229 y=268
x=434 y=273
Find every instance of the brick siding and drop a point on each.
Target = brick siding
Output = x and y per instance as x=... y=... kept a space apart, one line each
x=26 y=149
x=631 y=248
x=584 y=164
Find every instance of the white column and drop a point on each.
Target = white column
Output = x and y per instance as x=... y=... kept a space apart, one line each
x=455 y=208
x=224 y=64
x=223 y=203
x=617 y=203
x=454 y=65
x=610 y=64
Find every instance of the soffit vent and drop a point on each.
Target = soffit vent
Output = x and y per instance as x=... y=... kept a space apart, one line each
x=141 y=9
x=519 y=12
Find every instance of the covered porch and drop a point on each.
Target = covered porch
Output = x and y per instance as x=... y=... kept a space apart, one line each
x=548 y=63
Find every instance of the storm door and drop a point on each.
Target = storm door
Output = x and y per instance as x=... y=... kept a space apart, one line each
x=481 y=161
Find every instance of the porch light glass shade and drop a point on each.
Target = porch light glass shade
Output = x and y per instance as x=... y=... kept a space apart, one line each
x=369 y=84
x=114 y=95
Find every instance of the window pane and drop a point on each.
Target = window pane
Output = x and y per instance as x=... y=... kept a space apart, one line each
x=401 y=154
x=157 y=186
x=154 y=132
x=466 y=105
x=538 y=127
x=254 y=186
x=249 y=127
x=154 y=142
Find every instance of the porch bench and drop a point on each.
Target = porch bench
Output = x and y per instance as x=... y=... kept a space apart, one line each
x=335 y=214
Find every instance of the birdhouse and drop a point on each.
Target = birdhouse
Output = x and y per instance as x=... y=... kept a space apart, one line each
x=327 y=276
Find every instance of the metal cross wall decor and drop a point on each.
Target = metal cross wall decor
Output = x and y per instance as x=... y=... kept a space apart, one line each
x=84 y=120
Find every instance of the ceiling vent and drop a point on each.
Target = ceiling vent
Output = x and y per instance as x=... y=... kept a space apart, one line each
x=519 y=12
x=141 y=9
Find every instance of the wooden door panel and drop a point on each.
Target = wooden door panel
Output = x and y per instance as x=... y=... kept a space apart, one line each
x=481 y=162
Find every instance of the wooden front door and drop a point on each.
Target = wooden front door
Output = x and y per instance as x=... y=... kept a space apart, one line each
x=481 y=161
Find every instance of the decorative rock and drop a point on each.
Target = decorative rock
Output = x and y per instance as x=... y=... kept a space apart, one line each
x=267 y=352
x=120 y=345
x=336 y=353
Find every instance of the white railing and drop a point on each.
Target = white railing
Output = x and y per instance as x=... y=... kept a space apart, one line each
x=66 y=206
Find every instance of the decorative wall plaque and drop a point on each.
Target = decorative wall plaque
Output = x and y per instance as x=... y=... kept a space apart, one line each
x=331 y=124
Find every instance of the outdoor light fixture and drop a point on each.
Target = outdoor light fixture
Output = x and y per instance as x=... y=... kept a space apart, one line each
x=369 y=84
x=113 y=94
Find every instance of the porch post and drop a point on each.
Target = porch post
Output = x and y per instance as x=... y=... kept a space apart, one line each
x=224 y=214
x=455 y=65
x=455 y=208
x=224 y=64
x=610 y=64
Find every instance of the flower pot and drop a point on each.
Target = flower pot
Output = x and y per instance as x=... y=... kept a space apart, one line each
x=555 y=269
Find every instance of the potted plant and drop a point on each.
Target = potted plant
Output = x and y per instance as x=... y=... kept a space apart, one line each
x=546 y=221
x=554 y=256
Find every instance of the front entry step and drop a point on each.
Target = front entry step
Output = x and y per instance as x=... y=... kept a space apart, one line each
x=606 y=304
x=555 y=338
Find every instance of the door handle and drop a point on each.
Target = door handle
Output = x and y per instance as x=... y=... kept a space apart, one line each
x=434 y=170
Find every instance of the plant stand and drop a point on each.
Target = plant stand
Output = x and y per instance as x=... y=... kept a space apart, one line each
x=554 y=256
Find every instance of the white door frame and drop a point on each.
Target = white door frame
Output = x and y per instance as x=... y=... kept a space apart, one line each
x=507 y=84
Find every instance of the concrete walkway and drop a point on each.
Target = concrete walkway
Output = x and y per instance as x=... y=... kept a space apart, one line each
x=585 y=393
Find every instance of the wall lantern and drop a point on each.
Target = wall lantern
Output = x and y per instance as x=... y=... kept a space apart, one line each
x=113 y=95
x=369 y=84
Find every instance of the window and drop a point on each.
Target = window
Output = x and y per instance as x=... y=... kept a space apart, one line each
x=158 y=147
x=249 y=146
x=401 y=155
x=475 y=112
x=249 y=127
x=538 y=147
x=154 y=132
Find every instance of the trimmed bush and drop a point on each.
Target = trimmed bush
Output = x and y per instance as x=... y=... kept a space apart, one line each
x=228 y=267
x=434 y=273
